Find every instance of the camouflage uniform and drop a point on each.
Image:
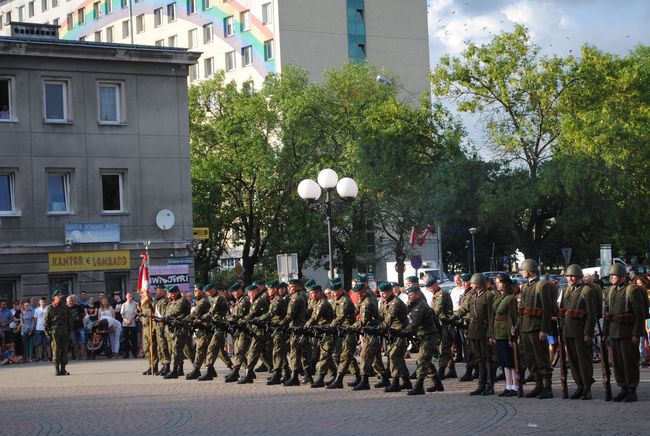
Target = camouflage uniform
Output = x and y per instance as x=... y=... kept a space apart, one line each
x=57 y=325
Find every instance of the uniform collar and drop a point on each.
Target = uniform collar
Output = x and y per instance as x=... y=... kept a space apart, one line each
x=533 y=280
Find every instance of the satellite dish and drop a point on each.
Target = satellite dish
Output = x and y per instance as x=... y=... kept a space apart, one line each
x=165 y=219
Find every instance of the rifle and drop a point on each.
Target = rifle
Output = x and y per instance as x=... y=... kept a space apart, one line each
x=605 y=370
x=515 y=350
x=563 y=367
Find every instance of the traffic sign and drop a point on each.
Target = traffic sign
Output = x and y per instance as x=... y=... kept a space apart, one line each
x=566 y=253
x=201 y=233
x=238 y=269
x=416 y=262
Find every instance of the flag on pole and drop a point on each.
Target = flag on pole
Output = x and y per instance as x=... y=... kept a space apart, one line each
x=143 y=273
x=414 y=236
x=424 y=235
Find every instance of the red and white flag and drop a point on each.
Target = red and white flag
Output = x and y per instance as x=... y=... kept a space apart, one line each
x=424 y=235
x=143 y=273
x=414 y=236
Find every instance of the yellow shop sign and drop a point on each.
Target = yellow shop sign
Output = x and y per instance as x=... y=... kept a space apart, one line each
x=89 y=261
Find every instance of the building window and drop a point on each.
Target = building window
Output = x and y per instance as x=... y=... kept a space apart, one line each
x=207 y=4
x=97 y=10
x=8 y=18
x=124 y=4
x=109 y=34
x=109 y=96
x=69 y=21
x=245 y=20
x=115 y=282
x=21 y=13
x=159 y=43
x=113 y=192
x=58 y=192
x=370 y=236
x=191 y=7
x=230 y=61
x=55 y=22
x=268 y=49
x=98 y=36
x=191 y=38
x=64 y=284
x=208 y=67
x=8 y=287
x=55 y=3
x=139 y=23
x=56 y=100
x=267 y=13
x=108 y=6
x=125 y=29
x=6 y=99
x=228 y=27
x=157 y=17
x=194 y=73
x=356 y=31
x=247 y=55
x=81 y=16
x=172 y=41
x=208 y=33
x=30 y=9
x=171 y=12
x=7 y=192
x=43 y=5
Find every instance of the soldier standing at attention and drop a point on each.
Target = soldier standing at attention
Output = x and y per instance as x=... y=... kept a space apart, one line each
x=394 y=315
x=276 y=314
x=259 y=306
x=322 y=315
x=160 y=307
x=296 y=312
x=203 y=337
x=345 y=314
x=178 y=308
x=241 y=340
x=625 y=317
x=535 y=313
x=579 y=312
x=216 y=347
x=147 y=309
x=423 y=326
x=505 y=315
x=470 y=360
x=57 y=325
x=443 y=307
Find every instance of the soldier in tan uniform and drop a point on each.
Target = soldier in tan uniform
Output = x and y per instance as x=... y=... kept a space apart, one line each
x=178 y=308
x=242 y=340
x=296 y=313
x=345 y=316
x=147 y=309
x=276 y=314
x=203 y=337
x=444 y=309
x=394 y=316
x=624 y=324
x=217 y=346
x=259 y=306
x=160 y=306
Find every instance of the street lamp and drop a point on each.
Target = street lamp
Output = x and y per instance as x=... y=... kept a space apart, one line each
x=310 y=191
x=386 y=81
x=473 y=231
x=469 y=260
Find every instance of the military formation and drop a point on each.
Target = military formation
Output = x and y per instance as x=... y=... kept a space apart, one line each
x=303 y=334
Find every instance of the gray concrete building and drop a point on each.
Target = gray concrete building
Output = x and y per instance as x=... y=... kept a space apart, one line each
x=94 y=144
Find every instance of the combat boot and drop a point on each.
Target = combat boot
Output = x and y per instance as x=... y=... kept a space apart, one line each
x=171 y=374
x=437 y=385
x=394 y=386
x=307 y=379
x=547 y=391
x=577 y=394
x=319 y=383
x=479 y=389
x=165 y=369
x=587 y=393
x=155 y=370
x=337 y=383
x=147 y=372
x=467 y=376
x=262 y=368
x=476 y=373
x=63 y=371
x=275 y=380
x=248 y=378
x=356 y=381
x=385 y=381
x=631 y=396
x=406 y=383
x=57 y=369
x=621 y=395
x=209 y=374
x=418 y=389
x=286 y=376
x=535 y=392
x=180 y=370
x=233 y=376
x=362 y=385
x=294 y=380
x=194 y=374
x=489 y=389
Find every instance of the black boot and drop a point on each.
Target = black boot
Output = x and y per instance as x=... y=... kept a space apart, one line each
x=320 y=382
x=262 y=368
x=171 y=374
x=451 y=373
x=621 y=395
x=165 y=369
x=441 y=373
x=385 y=381
x=57 y=369
x=467 y=376
x=362 y=385
x=194 y=374
x=418 y=389
x=209 y=374
x=535 y=392
x=587 y=393
x=147 y=371
x=356 y=381
x=489 y=389
x=248 y=378
x=63 y=371
x=294 y=380
x=406 y=383
x=233 y=376
x=476 y=373
x=307 y=379
x=275 y=380
x=547 y=392
x=394 y=386
x=330 y=381
x=180 y=370
x=437 y=385
x=577 y=394
x=286 y=376
x=479 y=389
x=631 y=396
x=337 y=383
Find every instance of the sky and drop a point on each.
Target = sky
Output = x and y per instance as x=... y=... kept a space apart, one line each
x=559 y=27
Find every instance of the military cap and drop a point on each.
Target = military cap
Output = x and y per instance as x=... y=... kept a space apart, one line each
x=385 y=287
x=465 y=277
x=283 y=285
x=56 y=292
x=310 y=283
x=198 y=286
x=336 y=283
x=362 y=277
x=294 y=282
x=173 y=288
x=431 y=282
x=393 y=284
x=258 y=282
x=412 y=279
x=251 y=287
x=272 y=284
x=412 y=289
x=207 y=287
x=315 y=287
x=358 y=287
x=235 y=287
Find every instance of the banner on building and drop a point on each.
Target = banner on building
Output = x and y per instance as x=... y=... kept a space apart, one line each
x=89 y=261
x=92 y=233
x=169 y=275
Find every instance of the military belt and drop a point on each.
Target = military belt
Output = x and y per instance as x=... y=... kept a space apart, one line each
x=531 y=311
x=502 y=318
x=622 y=317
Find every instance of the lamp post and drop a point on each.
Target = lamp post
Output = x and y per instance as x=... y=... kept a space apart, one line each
x=310 y=191
x=469 y=259
x=473 y=231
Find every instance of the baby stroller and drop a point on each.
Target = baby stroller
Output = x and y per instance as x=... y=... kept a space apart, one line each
x=99 y=340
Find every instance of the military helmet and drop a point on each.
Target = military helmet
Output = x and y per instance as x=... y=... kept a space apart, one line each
x=478 y=279
x=530 y=265
x=617 y=270
x=574 y=270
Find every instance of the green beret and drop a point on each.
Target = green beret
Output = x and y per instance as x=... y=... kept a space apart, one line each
x=385 y=287
x=336 y=283
x=412 y=289
x=172 y=289
x=272 y=284
x=315 y=287
x=283 y=285
x=465 y=277
x=235 y=287
x=257 y=283
x=362 y=277
x=412 y=279
x=358 y=287
x=431 y=282
x=310 y=283
x=207 y=287
x=199 y=286
x=56 y=292
x=294 y=282
x=252 y=287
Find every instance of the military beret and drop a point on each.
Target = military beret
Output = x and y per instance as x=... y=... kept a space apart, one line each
x=172 y=289
x=412 y=279
x=336 y=283
x=310 y=283
x=235 y=287
x=208 y=287
x=465 y=277
x=358 y=287
x=282 y=284
x=272 y=284
x=252 y=287
x=294 y=282
x=315 y=287
x=393 y=284
x=257 y=283
x=431 y=282
x=56 y=292
x=362 y=277
x=412 y=289
x=385 y=287
x=198 y=286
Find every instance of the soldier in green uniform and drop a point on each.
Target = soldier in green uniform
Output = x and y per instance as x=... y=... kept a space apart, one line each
x=242 y=340
x=203 y=337
x=266 y=356
x=345 y=316
x=275 y=316
x=160 y=307
x=217 y=346
x=322 y=315
x=147 y=309
x=579 y=315
x=178 y=308
x=368 y=316
x=57 y=325
x=624 y=324
x=296 y=313
x=444 y=308
x=479 y=333
x=394 y=316
x=259 y=306
x=423 y=326
x=310 y=349
x=535 y=314
x=504 y=318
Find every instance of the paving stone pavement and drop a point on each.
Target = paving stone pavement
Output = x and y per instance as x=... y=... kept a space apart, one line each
x=111 y=397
